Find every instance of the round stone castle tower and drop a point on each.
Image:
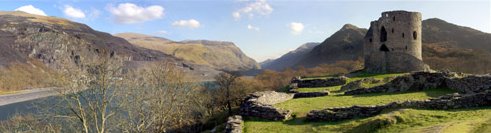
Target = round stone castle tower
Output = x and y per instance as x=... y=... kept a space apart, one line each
x=393 y=43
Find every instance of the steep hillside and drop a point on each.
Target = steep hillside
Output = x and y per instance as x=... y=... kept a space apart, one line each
x=27 y=39
x=216 y=54
x=57 y=41
x=286 y=60
x=445 y=46
x=439 y=31
x=456 y=48
x=345 y=44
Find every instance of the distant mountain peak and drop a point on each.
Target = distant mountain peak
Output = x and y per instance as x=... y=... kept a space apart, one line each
x=209 y=42
x=436 y=20
x=349 y=26
x=137 y=36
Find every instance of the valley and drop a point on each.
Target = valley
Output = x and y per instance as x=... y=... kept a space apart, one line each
x=214 y=66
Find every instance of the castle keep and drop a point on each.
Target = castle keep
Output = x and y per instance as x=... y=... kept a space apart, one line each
x=393 y=43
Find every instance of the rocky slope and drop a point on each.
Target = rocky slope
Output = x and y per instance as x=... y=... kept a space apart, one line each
x=345 y=44
x=445 y=46
x=217 y=54
x=439 y=31
x=292 y=56
x=58 y=43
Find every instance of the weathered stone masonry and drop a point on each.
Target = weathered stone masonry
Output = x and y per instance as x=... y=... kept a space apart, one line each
x=234 y=124
x=463 y=83
x=393 y=43
x=259 y=104
x=451 y=101
x=310 y=83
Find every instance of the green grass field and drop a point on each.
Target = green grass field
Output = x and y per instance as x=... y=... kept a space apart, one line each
x=404 y=120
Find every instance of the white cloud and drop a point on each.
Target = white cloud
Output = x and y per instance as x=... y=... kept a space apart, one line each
x=31 y=9
x=296 y=28
x=129 y=13
x=191 y=23
x=73 y=12
x=254 y=28
x=163 y=32
x=258 y=7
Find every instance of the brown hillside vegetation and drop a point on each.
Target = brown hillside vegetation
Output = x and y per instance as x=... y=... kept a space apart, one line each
x=447 y=57
x=217 y=54
x=32 y=74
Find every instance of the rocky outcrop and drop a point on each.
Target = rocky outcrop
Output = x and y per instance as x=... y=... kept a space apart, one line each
x=451 y=101
x=259 y=104
x=326 y=82
x=310 y=94
x=234 y=124
x=425 y=80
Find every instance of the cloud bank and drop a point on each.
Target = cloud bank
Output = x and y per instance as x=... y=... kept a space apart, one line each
x=191 y=23
x=31 y=10
x=73 y=12
x=259 y=7
x=129 y=13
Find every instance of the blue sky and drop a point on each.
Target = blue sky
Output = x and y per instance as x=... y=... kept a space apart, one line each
x=261 y=28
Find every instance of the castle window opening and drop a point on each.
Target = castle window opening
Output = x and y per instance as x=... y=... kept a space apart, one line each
x=394 y=18
x=392 y=30
x=414 y=35
x=402 y=35
x=370 y=39
x=384 y=48
x=383 y=34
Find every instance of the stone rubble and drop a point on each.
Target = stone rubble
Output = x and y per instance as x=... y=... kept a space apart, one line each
x=451 y=101
x=234 y=124
x=311 y=83
x=259 y=104
x=310 y=94
x=425 y=80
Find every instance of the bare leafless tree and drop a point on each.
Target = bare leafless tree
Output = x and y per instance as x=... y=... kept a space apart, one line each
x=226 y=81
x=161 y=98
x=88 y=97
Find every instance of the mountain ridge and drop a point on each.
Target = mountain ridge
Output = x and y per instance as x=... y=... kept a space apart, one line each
x=60 y=43
x=221 y=55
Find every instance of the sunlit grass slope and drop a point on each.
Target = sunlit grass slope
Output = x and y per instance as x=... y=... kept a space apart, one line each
x=404 y=120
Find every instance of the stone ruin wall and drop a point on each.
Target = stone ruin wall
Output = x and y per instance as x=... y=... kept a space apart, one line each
x=473 y=91
x=462 y=83
x=260 y=104
x=393 y=43
x=450 y=101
